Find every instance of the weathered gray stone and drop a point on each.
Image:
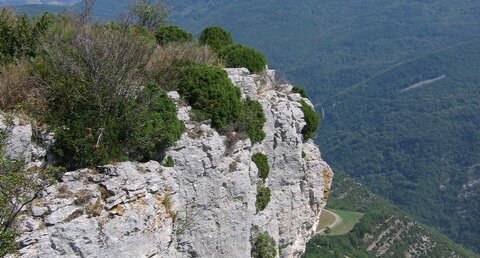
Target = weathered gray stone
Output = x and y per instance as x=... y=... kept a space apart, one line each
x=202 y=207
x=19 y=143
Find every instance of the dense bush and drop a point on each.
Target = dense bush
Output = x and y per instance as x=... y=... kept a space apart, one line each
x=263 y=245
x=216 y=37
x=261 y=161
x=312 y=119
x=95 y=98
x=19 y=35
x=141 y=130
x=301 y=91
x=169 y=62
x=263 y=198
x=155 y=124
x=237 y=56
x=211 y=94
x=168 y=34
x=8 y=244
x=252 y=120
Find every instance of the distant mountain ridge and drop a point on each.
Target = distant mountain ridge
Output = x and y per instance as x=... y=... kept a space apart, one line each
x=39 y=2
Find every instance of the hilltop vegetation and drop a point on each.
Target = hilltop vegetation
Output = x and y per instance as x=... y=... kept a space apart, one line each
x=104 y=90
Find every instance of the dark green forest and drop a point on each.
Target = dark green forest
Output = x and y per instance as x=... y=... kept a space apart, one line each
x=419 y=147
x=379 y=216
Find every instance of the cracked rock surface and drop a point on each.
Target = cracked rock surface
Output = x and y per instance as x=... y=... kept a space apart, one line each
x=204 y=206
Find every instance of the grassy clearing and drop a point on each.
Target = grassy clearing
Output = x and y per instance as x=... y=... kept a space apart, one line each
x=349 y=220
x=326 y=219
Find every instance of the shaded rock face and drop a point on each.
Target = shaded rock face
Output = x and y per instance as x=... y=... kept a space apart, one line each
x=25 y=142
x=204 y=206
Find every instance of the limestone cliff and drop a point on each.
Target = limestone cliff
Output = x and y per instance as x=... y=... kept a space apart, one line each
x=203 y=206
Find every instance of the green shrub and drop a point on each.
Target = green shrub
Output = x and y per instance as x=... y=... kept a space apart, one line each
x=216 y=37
x=261 y=161
x=169 y=62
x=8 y=244
x=154 y=124
x=252 y=120
x=169 y=162
x=140 y=130
x=263 y=198
x=209 y=91
x=19 y=35
x=301 y=91
x=237 y=56
x=97 y=101
x=263 y=245
x=312 y=119
x=168 y=34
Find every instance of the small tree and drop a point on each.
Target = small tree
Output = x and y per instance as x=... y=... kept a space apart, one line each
x=166 y=34
x=211 y=94
x=237 y=56
x=150 y=13
x=19 y=35
x=216 y=37
x=312 y=119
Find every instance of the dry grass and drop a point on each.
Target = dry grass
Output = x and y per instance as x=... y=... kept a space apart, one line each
x=167 y=203
x=94 y=209
x=167 y=63
x=17 y=89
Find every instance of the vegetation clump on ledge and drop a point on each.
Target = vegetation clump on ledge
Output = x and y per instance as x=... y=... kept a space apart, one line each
x=261 y=161
x=263 y=245
x=237 y=56
x=263 y=198
x=211 y=94
x=252 y=120
x=301 y=91
x=312 y=119
x=169 y=162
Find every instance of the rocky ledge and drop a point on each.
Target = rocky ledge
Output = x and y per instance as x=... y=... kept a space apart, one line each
x=203 y=206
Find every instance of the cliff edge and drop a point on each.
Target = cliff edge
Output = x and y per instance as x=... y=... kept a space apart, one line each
x=205 y=205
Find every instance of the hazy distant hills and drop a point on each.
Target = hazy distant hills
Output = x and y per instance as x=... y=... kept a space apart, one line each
x=48 y=2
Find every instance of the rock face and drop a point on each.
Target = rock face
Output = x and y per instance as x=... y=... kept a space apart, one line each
x=204 y=206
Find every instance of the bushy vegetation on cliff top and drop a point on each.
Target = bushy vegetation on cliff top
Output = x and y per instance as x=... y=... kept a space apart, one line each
x=102 y=88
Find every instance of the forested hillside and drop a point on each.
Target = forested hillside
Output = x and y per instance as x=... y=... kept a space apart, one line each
x=416 y=146
x=384 y=231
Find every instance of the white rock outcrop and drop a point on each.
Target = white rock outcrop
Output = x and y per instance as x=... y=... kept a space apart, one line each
x=204 y=206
